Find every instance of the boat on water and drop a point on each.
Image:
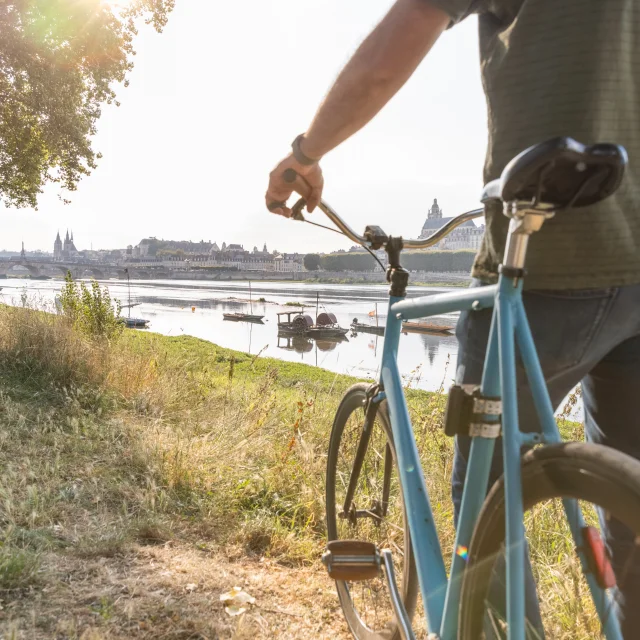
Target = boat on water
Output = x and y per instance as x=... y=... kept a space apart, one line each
x=426 y=327
x=129 y=322
x=135 y=323
x=244 y=317
x=359 y=327
x=298 y=322
x=407 y=327
x=294 y=322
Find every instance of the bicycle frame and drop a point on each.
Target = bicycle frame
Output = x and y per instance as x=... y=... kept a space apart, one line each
x=441 y=595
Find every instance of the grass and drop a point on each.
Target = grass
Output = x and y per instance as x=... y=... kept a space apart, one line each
x=152 y=451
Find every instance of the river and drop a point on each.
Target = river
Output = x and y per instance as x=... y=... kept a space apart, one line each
x=195 y=308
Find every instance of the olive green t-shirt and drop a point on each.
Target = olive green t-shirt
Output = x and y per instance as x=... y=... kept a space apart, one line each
x=563 y=68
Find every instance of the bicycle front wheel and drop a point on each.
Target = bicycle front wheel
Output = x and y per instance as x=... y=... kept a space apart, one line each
x=605 y=485
x=375 y=514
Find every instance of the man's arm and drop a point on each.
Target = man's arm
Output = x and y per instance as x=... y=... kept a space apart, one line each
x=379 y=68
x=376 y=72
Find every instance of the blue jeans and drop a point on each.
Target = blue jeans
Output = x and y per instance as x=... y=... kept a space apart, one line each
x=584 y=336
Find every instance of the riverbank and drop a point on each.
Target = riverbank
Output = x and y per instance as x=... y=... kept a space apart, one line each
x=143 y=477
x=155 y=463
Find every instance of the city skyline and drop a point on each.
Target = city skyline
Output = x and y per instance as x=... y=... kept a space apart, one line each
x=189 y=151
x=433 y=213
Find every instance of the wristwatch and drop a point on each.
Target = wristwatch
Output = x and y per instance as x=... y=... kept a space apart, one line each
x=299 y=155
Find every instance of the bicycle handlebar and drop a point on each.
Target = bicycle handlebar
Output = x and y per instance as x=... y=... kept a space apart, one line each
x=302 y=187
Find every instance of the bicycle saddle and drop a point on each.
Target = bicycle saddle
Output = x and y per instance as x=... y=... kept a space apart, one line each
x=560 y=172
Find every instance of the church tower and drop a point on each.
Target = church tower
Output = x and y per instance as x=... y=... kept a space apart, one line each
x=435 y=213
x=57 y=248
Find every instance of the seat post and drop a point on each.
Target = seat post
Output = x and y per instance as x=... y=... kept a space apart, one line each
x=526 y=219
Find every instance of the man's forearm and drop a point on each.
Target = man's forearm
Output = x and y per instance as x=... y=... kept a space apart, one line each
x=375 y=73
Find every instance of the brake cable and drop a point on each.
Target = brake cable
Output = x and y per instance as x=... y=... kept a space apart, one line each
x=296 y=214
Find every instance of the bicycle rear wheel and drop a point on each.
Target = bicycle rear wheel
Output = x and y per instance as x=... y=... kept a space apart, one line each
x=594 y=476
x=376 y=514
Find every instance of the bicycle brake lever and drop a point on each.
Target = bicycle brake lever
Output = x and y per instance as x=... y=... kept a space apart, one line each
x=296 y=210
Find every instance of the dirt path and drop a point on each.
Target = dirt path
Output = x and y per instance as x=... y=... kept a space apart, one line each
x=171 y=592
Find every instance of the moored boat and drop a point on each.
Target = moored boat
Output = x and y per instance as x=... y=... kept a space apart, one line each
x=244 y=317
x=426 y=327
x=239 y=317
x=359 y=327
x=296 y=322
x=129 y=322
x=135 y=323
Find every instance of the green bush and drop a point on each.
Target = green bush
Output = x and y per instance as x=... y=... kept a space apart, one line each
x=90 y=309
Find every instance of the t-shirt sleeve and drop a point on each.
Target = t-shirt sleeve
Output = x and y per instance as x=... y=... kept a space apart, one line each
x=457 y=10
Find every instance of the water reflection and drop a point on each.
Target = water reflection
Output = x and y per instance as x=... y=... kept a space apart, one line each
x=304 y=344
x=431 y=344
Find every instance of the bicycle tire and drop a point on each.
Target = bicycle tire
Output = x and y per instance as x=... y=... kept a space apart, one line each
x=354 y=401
x=593 y=473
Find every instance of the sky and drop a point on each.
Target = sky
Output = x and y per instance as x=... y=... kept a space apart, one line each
x=215 y=101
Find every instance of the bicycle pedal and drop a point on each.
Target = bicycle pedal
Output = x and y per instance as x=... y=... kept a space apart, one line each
x=352 y=560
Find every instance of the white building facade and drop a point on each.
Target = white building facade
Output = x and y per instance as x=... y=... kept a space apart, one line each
x=466 y=236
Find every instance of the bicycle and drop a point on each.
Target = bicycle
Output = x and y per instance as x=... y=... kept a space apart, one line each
x=538 y=183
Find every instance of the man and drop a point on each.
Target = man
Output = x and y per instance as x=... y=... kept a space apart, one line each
x=549 y=69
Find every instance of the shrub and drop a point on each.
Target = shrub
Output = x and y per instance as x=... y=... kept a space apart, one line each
x=90 y=309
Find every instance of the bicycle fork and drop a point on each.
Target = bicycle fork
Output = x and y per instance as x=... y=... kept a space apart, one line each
x=378 y=510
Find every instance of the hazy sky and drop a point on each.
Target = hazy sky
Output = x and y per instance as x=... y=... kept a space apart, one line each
x=215 y=101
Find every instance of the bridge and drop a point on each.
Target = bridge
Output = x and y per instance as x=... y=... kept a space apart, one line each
x=79 y=269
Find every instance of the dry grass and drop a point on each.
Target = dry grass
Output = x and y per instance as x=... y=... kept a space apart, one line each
x=112 y=455
x=141 y=478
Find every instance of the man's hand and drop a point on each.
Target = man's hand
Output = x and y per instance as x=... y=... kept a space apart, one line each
x=279 y=191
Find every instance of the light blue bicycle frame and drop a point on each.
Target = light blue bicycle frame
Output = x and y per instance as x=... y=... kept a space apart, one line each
x=441 y=596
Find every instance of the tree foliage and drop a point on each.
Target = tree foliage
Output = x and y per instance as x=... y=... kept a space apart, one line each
x=312 y=262
x=59 y=63
x=348 y=262
x=438 y=261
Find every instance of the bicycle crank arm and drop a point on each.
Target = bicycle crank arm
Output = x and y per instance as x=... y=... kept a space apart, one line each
x=402 y=619
x=357 y=560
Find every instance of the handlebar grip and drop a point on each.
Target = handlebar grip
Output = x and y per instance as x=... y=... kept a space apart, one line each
x=290 y=175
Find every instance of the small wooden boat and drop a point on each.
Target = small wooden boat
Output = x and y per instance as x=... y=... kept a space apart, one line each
x=129 y=322
x=359 y=327
x=425 y=327
x=135 y=323
x=242 y=317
